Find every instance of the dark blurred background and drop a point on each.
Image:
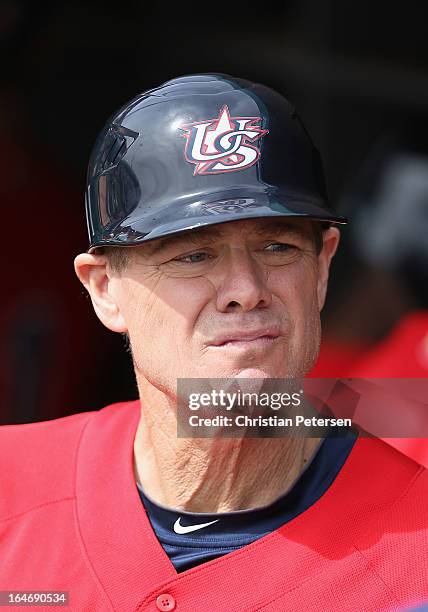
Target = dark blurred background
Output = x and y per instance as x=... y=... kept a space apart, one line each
x=356 y=71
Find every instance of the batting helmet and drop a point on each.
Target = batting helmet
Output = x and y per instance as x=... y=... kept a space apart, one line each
x=200 y=150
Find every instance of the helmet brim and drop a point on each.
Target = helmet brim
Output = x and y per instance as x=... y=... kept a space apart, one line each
x=197 y=213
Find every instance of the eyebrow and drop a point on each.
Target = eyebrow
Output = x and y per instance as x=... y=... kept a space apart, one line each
x=274 y=228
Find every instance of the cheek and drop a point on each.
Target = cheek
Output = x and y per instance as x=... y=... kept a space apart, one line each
x=306 y=282
x=161 y=319
x=297 y=289
x=140 y=311
x=298 y=294
x=309 y=325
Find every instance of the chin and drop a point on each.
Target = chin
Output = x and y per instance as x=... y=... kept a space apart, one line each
x=253 y=372
x=234 y=371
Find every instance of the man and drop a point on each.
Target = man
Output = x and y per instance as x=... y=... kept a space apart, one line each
x=210 y=246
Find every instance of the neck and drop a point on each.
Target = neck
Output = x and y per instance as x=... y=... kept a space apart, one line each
x=211 y=474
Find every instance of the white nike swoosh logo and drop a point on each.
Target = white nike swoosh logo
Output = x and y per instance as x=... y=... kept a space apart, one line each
x=182 y=529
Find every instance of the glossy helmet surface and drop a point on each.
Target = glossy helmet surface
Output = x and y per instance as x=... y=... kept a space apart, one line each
x=200 y=150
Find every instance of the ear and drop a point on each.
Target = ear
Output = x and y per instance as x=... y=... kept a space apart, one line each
x=331 y=238
x=93 y=272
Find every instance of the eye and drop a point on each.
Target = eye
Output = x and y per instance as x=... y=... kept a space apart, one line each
x=279 y=253
x=283 y=247
x=198 y=257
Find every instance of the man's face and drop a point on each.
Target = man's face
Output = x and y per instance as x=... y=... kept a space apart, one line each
x=180 y=300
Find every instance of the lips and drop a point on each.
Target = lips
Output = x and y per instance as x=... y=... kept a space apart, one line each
x=246 y=336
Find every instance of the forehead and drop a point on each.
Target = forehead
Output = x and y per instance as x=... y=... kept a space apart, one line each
x=231 y=229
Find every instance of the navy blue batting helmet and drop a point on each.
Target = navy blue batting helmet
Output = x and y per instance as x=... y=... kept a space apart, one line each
x=200 y=150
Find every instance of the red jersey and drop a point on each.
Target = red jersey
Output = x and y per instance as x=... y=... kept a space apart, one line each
x=71 y=519
x=403 y=354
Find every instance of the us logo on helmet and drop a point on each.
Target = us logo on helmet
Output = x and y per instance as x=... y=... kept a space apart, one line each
x=223 y=144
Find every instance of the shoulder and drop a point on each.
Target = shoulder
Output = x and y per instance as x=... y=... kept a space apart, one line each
x=393 y=520
x=415 y=493
x=388 y=474
x=37 y=460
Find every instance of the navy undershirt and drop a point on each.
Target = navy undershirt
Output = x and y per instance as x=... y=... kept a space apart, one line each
x=232 y=530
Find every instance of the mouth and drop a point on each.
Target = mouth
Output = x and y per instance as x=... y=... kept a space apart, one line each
x=254 y=341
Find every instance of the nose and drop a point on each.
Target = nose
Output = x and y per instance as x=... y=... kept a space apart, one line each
x=242 y=283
